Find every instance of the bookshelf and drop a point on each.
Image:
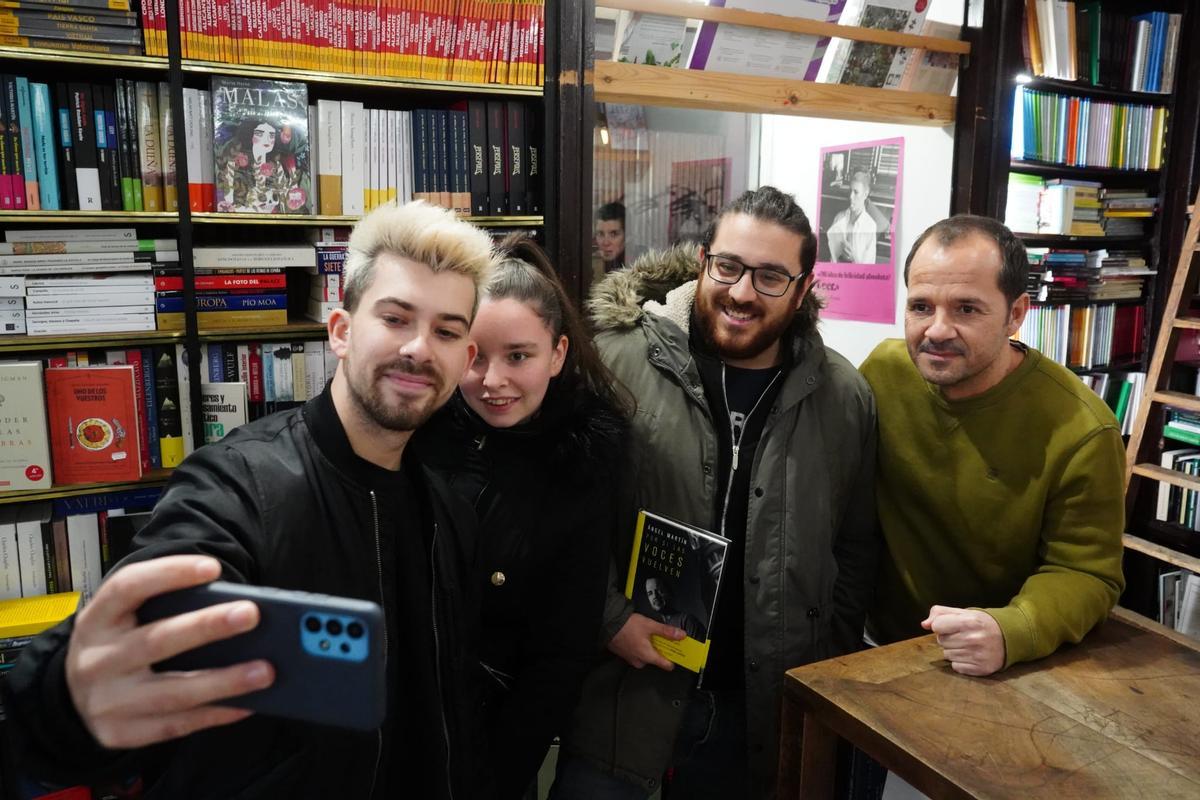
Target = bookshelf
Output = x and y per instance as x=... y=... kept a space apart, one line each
x=193 y=229
x=1151 y=546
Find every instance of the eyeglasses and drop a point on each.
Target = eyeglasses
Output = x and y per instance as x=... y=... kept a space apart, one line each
x=765 y=280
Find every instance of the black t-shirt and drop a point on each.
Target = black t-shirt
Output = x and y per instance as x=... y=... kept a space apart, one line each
x=740 y=400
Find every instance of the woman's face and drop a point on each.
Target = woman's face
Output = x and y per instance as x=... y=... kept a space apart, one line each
x=518 y=356
x=263 y=140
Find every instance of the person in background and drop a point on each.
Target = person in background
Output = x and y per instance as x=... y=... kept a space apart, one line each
x=610 y=235
x=533 y=439
x=1001 y=477
x=747 y=426
x=324 y=498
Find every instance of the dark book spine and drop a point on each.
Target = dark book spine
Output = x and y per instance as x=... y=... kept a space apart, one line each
x=66 y=150
x=151 y=406
x=7 y=201
x=16 y=155
x=103 y=163
x=123 y=163
x=441 y=150
x=45 y=28
x=83 y=139
x=131 y=135
x=514 y=157
x=478 y=157
x=533 y=160
x=112 y=135
x=497 y=197
x=420 y=124
x=462 y=187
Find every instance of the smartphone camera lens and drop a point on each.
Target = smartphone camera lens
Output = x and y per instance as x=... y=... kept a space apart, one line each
x=312 y=624
x=354 y=630
x=333 y=627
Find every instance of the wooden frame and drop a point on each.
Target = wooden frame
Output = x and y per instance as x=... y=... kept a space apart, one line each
x=722 y=91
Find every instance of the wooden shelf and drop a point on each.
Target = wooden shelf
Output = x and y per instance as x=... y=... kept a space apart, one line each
x=156 y=477
x=1124 y=367
x=297 y=328
x=725 y=91
x=82 y=58
x=1056 y=238
x=217 y=218
x=778 y=22
x=86 y=341
x=1050 y=170
x=346 y=79
x=1099 y=92
x=1161 y=552
x=1164 y=475
x=1181 y=400
x=89 y=217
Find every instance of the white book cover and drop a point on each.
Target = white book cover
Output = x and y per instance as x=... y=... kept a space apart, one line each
x=722 y=47
x=193 y=144
x=49 y=327
x=25 y=456
x=30 y=552
x=314 y=369
x=1189 y=607
x=208 y=163
x=314 y=158
x=877 y=65
x=83 y=539
x=184 y=375
x=393 y=160
x=10 y=563
x=91 y=300
x=12 y=286
x=406 y=161
x=224 y=406
x=331 y=360
x=274 y=256
x=96 y=282
x=372 y=190
x=651 y=39
x=353 y=157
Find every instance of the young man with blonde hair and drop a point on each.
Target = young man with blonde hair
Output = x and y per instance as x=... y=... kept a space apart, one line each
x=321 y=498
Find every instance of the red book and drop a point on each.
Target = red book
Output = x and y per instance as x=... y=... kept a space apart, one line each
x=93 y=420
x=174 y=283
x=255 y=389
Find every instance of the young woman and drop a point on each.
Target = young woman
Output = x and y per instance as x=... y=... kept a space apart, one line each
x=533 y=439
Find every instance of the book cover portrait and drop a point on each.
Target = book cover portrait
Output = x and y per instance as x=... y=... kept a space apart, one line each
x=260 y=146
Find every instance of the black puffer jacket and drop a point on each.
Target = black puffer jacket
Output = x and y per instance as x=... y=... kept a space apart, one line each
x=285 y=502
x=544 y=492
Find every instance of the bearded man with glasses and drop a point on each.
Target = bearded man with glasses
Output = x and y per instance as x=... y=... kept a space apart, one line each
x=748 y=426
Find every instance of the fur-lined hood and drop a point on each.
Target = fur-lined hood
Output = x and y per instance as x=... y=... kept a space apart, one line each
x=663 y=283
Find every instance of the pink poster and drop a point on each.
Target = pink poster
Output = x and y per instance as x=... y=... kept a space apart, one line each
x=857 y=213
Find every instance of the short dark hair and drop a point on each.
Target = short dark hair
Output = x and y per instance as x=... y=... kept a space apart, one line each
x=768 y=204
x=1014 y=261
x=612 y=211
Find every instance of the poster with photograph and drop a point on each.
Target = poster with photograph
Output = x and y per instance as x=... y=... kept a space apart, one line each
x=699 y=190
x=857 y=215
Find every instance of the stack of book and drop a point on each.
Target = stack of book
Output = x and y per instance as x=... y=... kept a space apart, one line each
x=1070 y=207
x=1122 y=274
x=23 y=618
x=1075 y=207
x=325 y=279
x=236 y=287
x=86 y=26
x=1084 y=41
x=12 y=304
x=1082 y=132
x=1125 y=210
x=85 y=280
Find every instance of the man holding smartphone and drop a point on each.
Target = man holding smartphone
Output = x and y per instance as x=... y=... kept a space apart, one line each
x=322 y=499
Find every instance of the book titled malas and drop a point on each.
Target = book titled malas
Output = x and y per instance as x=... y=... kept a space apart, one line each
x=24 y=448
x=261 y=146
x=93 y=424
x=675 y=578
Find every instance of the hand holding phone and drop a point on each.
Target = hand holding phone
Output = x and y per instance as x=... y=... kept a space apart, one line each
x=122 y=702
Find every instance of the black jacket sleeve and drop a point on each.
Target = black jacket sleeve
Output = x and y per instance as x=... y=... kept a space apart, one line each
x=209 y=507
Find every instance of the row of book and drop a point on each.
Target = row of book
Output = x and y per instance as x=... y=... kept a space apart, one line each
x=1082 y=132
x=1085 y=337
x=243 y=381
x=259 y=146
x=1063 y=276
x=86 y=147
x=1062 y=206
x=481 y=41
x=1084 y=41
x=1179 y=598
x=1122 y=392
x=97 y=26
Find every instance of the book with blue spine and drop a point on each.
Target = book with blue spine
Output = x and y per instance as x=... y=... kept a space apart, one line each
x=223 y=302
x=28 y=159
x=43 y=145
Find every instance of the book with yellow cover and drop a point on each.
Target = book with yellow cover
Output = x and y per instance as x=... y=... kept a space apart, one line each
x=675 y=578
x=29 y=616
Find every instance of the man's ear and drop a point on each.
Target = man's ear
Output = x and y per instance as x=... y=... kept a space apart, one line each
x=806 y=284
x=1016 y=314
x=338 y=329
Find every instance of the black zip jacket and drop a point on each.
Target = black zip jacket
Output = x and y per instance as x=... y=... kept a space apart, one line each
x=285 y=502
x=544 y=492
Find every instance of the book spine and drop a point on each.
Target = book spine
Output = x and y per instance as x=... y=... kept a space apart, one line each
x=112 y=136
x=7 y=201
x=150 y=406
x=166 y=148
x=329 y=171
x=514 y=162
x=29 y=166
x=533 y=175
x=230 y=302
x=148 y=145
x=479 y=158
x=45 y=146
x=16 y=156
x=353 y=156
x=135 y=149
x=104 y=166
x=83 y=140
x=497 y=126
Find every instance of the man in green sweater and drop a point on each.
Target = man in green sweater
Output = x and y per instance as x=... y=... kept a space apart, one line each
x=1000 y=477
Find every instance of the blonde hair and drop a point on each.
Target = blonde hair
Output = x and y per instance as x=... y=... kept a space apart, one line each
x=421 y=232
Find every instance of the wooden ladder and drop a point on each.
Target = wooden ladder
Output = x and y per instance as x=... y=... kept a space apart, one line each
x=1162 y=358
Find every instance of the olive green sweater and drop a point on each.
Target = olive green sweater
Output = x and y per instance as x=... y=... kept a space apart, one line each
x=1011 y=501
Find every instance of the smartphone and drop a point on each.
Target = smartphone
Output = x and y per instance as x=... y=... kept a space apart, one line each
x=327 y=652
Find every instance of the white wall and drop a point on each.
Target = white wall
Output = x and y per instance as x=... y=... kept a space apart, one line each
x=791 y=160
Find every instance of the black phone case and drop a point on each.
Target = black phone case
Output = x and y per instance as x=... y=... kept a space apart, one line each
x=321 y=689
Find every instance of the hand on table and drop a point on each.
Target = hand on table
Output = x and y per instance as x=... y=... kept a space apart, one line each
x=971 y=640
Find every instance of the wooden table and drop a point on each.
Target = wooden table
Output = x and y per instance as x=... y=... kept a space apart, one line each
x=1115 y=716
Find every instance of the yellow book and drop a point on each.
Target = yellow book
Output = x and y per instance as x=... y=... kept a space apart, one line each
x=223 y=320
x=29 y=616
x=675 y=578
